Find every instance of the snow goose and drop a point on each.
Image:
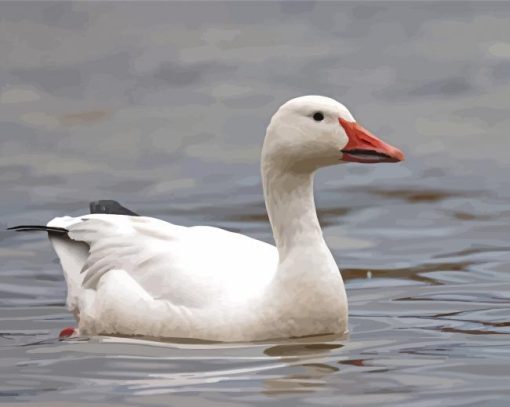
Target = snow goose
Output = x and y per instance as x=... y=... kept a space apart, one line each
x=134 y=275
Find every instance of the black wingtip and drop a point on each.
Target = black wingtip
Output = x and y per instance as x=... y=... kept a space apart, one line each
x=39 y=228
x=110 y=207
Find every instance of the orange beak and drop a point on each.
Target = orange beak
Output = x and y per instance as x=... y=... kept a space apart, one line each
x=364 y=147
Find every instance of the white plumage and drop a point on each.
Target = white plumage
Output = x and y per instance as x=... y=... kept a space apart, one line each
x=130 y=275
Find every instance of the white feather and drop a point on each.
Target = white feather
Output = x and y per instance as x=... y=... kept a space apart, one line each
x=142 y=276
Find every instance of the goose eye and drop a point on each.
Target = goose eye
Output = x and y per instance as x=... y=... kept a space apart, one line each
x=318 y=116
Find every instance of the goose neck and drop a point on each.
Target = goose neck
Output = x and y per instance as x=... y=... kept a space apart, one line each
x=291 y=208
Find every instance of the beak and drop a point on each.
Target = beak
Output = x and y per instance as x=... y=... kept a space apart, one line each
x=364 y=147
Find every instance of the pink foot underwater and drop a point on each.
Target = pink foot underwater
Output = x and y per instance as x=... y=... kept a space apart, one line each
x=68 y=332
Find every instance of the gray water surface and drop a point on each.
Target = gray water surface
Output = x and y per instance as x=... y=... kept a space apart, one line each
x=163 y=106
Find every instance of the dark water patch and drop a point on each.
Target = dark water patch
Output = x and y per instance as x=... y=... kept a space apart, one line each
x=418 y=196
x=471 y=216
x=472 y=331
x=412 y=273
x=301 y=349
x=474 y=296
x=472 y=251
x=353 y=362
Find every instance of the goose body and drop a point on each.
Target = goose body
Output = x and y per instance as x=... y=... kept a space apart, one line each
x=135 y=275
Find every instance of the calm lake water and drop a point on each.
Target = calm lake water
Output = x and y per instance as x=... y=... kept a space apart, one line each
x=163 y=106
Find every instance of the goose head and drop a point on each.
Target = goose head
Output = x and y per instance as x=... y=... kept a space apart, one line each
x=310 y=132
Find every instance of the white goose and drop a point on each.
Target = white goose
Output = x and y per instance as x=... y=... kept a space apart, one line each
x=134 y=275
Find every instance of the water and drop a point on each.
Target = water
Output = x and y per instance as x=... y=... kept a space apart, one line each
x=163 y=106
